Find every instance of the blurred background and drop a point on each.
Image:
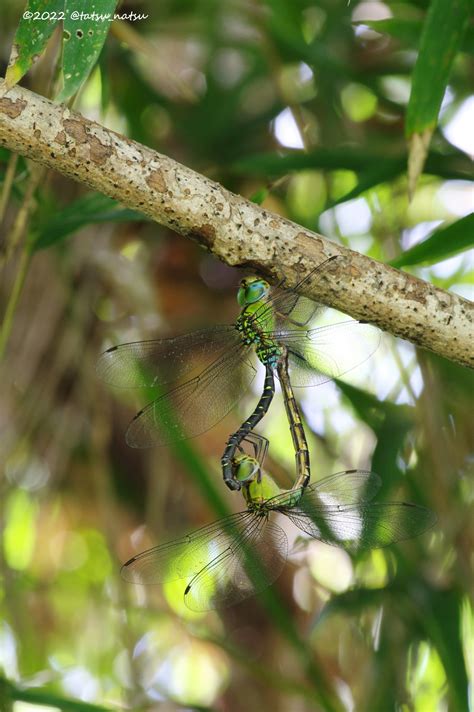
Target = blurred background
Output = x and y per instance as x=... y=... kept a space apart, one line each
x=300 y=106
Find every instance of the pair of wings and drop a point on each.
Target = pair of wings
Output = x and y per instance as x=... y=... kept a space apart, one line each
x=240 y=555
x=202 y=375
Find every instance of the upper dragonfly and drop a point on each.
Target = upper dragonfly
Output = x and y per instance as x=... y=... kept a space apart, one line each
x=241 y=554
x=203 y=374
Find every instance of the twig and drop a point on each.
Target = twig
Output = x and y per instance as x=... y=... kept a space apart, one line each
x=235 y=230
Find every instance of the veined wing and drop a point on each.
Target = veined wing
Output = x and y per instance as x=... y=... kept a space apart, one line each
x=319 y=355
x=243 y=566
x=195 y=406
x=362 y=525
x=160 y=361
x=289 y=306
x=348 y=487
x=342 y=488
x=185 y=557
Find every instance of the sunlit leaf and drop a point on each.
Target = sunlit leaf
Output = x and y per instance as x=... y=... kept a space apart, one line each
x=86 y=25
x=430 y=76
x=19 y=535
x=441 y=244
x=34 y=29
x=408 y=31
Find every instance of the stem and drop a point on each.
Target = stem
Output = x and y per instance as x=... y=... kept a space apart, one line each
x=7 y=323
x=23 y=215
x=7 y=184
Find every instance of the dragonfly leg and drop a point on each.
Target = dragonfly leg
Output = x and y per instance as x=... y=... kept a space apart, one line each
x=227 y=460
x=260 y=446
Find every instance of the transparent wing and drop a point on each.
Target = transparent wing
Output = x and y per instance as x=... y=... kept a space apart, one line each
x=159 y=361
x=185 y=557
x=328 y=512
x=348 y=487
x=289 y=305
x=342 y=488
x=195 y=406
x=319 y=355
x=243 y=566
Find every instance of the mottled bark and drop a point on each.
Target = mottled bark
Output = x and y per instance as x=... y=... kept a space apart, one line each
x=235 y=230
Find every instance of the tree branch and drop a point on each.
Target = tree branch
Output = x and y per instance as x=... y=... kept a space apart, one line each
x=234 y=229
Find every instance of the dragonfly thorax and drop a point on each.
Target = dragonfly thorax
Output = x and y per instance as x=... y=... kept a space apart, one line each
x=258 y=490
x=254 y=329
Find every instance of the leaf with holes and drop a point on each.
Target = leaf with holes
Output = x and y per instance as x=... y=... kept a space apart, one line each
x=86 y=25
x=36 y=26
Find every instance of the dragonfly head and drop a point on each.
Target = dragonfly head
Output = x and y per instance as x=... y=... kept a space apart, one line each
x=251 y=290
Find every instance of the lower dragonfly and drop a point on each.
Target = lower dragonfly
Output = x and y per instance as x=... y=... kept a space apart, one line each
x=240 y=555
x=202 y=375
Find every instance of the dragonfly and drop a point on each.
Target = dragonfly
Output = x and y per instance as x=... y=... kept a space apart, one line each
x=201 y=376
x=242 y=554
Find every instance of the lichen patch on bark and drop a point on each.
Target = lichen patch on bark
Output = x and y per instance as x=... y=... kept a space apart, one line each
x=12 y=108
x=98 y=152
x=156 y=181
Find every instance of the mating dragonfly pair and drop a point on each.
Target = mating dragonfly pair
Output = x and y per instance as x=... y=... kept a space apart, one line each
x=200 y=377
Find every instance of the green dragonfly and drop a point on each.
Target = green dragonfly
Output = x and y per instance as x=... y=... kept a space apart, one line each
x=203 y=374
x=241 y=554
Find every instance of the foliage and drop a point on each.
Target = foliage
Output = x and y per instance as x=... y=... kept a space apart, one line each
x=306 y=107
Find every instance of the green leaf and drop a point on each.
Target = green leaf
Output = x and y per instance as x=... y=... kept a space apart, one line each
x=86 y=26
x=352 y=602
x=443 y=243
x=430 y=76
x=381 y=172
x=259 y=196
x=440 y=615
x=32 y=36
x=43 y=697
x=408 y=31
x=362 y=160
x=390 y=423
x=90 y=208
x=434 y=62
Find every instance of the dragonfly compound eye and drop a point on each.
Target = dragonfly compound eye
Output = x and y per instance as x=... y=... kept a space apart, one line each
x=251 y=291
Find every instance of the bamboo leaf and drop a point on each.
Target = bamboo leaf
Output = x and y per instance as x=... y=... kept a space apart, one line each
x=86 y=25
x=31 y=36
x=89 y=209
x=430 y=77
x=391 y=424
x=440 y=244
x=408 y=31
x=43 y=697
x=441 y=619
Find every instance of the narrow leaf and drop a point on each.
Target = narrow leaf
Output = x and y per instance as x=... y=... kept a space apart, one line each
x=32 y=35
x=440 y=244
x=89 y=209
x=441 y=39
x=390 y=422
x=86 y=25
x=408 y=31
x=441 y=619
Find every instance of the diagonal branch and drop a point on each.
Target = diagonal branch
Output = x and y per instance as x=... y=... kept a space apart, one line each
x=235 y=230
